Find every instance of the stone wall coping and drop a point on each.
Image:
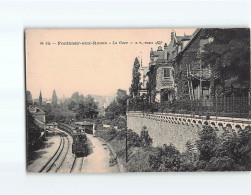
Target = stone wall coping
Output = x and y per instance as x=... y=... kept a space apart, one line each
x=187 y=116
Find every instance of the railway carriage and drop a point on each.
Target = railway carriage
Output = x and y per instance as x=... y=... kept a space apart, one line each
x=79 y=145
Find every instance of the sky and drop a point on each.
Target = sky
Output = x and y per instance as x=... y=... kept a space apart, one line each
x=88 y=68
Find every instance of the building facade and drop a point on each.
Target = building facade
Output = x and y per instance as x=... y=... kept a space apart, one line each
x=181 y=69
x=192 y=76
x=161 y=81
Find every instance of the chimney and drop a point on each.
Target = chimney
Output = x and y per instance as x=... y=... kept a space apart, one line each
x=172 y=36
x=151 y=52
x=151 y=57
x=165 y=47
x=165 y=51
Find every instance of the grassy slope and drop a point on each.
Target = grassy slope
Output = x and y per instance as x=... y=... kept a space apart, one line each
x=137 y=156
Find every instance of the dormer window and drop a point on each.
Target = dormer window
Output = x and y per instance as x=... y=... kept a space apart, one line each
x=167 y=73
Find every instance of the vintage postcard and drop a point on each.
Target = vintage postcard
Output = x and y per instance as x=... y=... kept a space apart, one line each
x=138 y=100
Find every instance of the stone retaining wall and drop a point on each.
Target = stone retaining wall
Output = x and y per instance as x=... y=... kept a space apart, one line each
x=163 y=132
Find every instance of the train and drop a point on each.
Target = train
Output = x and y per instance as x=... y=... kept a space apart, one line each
x=79 y=145
x=78 y=132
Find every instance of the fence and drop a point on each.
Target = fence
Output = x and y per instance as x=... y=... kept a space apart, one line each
x=218 y=106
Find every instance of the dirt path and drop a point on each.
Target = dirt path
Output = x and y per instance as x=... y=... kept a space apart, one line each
x=98 y=158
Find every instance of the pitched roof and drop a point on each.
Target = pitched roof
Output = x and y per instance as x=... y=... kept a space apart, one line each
x=191 y=39
x=36 y=110
x=171 y=48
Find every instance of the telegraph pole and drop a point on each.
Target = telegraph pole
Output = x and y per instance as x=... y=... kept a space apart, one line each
x=127 y=102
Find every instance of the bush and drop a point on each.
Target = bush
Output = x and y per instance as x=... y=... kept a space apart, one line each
x=133 y=139
x=168 y=158
x=144 y=136
x=207 y=144
x=107 y=135
x=237 y=147
x=120 y=122
x=220 y=164
x=228 y=152
x=33 y=131
x=121 y=134
x=138 y=161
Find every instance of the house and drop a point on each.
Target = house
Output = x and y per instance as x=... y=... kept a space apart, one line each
x=37 y=113
x=161 y=85
x=209 y=70
x=192 y=77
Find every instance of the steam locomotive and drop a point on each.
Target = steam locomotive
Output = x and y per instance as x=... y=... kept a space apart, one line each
x=79 y=145
x=78 y=132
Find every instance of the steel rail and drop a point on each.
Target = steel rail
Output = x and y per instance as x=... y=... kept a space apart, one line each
x=46 y=164
x=59 y=167
x=62 y=148
x=73 y=164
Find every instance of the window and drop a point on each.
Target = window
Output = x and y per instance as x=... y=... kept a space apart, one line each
x=166 y=72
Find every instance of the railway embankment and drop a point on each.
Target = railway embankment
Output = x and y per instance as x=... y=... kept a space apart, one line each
x=114 y=157
x=224 y=149
x=137 y=153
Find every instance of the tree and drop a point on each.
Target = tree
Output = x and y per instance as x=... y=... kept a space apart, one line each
x=76 y=97
x=40 y=99
x=144 y=136
x=72 y=105
x=135 y=86
x=54 y=99
x=87 y=108
x=121 y=100
x=112 y=111
x=229 y=58
x=228 y=152
x=121 y=96
x=168 y=158
x=29 y=99
x=237 y=147
x=118 y=106
x=33 y=131
x=243 y=152
x=207 y=144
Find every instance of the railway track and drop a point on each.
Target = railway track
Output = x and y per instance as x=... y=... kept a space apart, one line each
x=68 y=146
x=56 y=161
x=77 y=165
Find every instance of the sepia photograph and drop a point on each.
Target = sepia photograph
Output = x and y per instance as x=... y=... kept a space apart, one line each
x=137 y=100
